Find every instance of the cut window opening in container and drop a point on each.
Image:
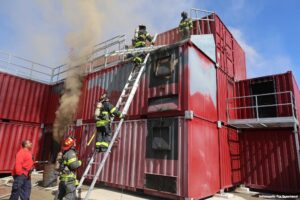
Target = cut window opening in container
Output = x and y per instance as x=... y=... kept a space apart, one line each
x=164 y=67
x=264 y=102
x=161 y=138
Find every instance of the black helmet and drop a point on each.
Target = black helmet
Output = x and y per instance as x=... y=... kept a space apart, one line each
x=104 y=97
x=184 y=14
x=142 y=27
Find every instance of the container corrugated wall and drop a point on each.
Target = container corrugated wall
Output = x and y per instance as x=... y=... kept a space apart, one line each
x=126 y=164
x=297 y=97
x=280 y=83
x=269 y=161
x=225 y=90
x=203 y=159
x=11 y=137
x=224 y=45
x=167 y=94
x=21 y=99
x=53 y=102
x=239 y=60
x=112 y=81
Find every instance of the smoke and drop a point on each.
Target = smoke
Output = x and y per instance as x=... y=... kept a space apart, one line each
x=85 y=22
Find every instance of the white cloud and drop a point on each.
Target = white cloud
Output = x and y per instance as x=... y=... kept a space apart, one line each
x=260 y=63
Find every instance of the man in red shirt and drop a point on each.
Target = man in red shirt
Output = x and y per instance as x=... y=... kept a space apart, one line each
x=22 y=171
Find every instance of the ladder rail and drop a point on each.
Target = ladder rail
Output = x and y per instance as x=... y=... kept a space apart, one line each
x=86 y=171
x=126 y=107
x=134 y=50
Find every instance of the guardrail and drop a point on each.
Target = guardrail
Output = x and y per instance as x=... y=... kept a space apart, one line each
x=257 y=106
x=35 y=71
x=97 y=60
x=26 y=68
x=203 y=19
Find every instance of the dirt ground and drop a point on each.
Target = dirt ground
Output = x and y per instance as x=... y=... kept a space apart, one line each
x=106 y=193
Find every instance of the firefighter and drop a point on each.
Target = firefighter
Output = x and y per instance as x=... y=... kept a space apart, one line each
x=22 y=171
x=185 y=26
x=141 y=36
x=69 y=162
x=104 y=111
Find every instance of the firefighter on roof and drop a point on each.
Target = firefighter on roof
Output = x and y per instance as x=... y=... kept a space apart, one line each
x=104 y=111
x=185 y=26
x=69 y=162
x=141 y=36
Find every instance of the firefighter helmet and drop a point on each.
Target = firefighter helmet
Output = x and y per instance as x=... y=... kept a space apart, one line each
x=142 y=27
x=104 y=97
x=68 y=143
x=184 y=14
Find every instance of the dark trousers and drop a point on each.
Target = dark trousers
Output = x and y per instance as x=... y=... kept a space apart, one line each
x=185 y=33
x=103 y=134
x=66 y=189
x=21 y=188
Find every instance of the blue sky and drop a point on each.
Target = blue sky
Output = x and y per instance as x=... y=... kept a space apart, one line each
x=268 y=30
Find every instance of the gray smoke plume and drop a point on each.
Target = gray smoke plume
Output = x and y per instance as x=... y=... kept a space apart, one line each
x=85 y=21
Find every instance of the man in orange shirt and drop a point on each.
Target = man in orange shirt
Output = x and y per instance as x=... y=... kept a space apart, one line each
x=22 y=171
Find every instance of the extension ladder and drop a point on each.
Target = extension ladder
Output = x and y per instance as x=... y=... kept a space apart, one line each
x=124 y=101
x=134 y=50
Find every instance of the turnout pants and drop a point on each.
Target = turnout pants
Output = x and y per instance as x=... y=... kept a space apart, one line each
x=66 y=189
x=21 y=188
x=185 y=33
x=103 y=135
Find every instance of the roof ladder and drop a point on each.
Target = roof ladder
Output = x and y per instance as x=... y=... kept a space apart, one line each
x=124 y=101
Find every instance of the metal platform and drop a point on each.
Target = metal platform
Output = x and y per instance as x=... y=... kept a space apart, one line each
x=239 y=109
x=274 y=122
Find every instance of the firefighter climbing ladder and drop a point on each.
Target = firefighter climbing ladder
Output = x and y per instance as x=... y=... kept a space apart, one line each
x=124 y=101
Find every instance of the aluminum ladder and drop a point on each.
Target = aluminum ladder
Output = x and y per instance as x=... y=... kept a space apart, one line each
x=134 y=50
x=124 y=101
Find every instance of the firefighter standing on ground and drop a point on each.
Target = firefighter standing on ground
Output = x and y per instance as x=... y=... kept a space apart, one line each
x=185 y=26
x=68 y=164
x=22 y=171
x=141 y=36
x=104 y=112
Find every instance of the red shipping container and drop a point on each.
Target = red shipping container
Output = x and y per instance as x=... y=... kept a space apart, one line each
x=239 y=62
x=110 y=80
x=280 y=87
x=225 y=90
x=11 y=137
x=168 y=157
x=269 y=160
x=22 y=99
x=53 y=102
x=229 y=55
x=185 y=81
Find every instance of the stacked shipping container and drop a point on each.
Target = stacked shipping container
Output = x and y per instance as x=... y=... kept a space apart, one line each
x=160 y=150
x=22 y=111
x=163 y=150
x=269 y=156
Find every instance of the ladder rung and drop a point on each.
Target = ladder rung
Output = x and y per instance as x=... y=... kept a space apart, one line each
x=132 y=80
x=128 y=88
x=122 y=103
x=125 y=95
x=89 y=175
